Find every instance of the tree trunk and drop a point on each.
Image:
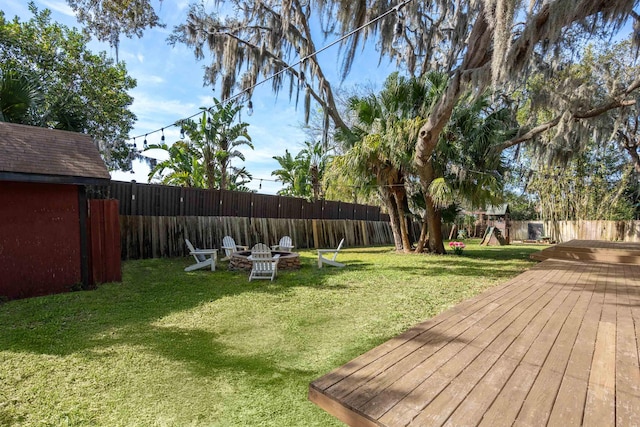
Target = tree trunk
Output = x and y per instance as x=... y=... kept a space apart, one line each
x=224 y=185
x=432 y=216
x=315 y=182
x=210 y=170
x=478 y=55
x=424 y=234
x=399 y=195
x=434 y=225
x=393 y=217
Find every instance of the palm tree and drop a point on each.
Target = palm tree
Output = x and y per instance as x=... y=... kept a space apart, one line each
x=18 y=96
x=227 y=137
x=315 y=155
x=215 y=138
x=293 y=174
x=465 y=167
x=382 y=141
x=238 y=179
x=184 y=165
x=302 y=174
x=202 y=145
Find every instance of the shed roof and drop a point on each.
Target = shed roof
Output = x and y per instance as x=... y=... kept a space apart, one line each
x=36 y=154
x=498 y=209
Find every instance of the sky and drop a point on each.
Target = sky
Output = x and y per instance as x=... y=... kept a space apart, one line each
x=170 y=87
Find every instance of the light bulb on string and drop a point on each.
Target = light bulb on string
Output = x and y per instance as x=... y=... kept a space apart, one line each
x=181 y=132
x=145 y=140
x=162 y=137
x=260 y=186
x=399 y=39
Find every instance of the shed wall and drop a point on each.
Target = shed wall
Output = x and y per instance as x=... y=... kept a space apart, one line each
x=39 y=239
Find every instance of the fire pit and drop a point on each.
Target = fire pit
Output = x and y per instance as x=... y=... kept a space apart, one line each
x=288 y=260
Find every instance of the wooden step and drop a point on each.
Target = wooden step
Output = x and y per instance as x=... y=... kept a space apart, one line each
x=581 y=253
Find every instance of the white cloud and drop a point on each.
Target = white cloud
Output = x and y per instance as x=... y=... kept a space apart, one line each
x=150 y=79
x=59 y=6
x=182 y=5
x=205 y=100
x=146 y=104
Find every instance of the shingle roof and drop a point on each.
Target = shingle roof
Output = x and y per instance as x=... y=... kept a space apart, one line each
x=31 y=150
x=498 y=210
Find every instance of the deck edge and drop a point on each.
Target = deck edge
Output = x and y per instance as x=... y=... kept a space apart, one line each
x=338 y=410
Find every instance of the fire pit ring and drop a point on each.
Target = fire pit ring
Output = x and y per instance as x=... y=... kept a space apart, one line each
x=288 y=260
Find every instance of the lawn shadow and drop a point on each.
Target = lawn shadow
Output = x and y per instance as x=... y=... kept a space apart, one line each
x=151 y=289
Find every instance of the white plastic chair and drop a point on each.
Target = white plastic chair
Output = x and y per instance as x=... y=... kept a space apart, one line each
x=200 y=255
x=332 y=260
x=284 y=245
x=229 y=246
x=264 y=265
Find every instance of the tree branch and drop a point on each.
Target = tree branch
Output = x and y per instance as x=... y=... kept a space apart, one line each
x=618 y=101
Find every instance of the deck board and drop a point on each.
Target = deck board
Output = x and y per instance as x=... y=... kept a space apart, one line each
x=454 y=356
x=557 y=345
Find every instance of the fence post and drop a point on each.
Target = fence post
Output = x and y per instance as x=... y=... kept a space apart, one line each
x=182 y=201
x=134 y=197
x=316 y=238
x=365 y=236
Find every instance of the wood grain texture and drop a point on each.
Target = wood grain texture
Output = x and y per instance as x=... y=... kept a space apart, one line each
x=556 y=346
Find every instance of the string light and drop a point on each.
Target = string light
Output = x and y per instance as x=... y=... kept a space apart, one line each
x=162 y=137
x=249 y=90
x=250 y=108
x=181 y=132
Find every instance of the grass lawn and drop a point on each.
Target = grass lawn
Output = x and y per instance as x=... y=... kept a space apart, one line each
x=169 y=348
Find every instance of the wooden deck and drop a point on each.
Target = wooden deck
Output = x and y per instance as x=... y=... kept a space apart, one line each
x=556 y=346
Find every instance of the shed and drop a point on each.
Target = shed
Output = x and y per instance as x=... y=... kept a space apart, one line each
x=496 y=220
x=47 y=242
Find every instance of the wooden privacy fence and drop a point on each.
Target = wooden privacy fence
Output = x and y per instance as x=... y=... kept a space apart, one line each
x=563 y=231
x=163 y=200
x=163 y=236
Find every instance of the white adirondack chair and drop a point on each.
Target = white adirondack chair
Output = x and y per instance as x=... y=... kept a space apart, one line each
x=229 y=246
x=284 y=245
x=263 y=264
x=200 y=255
x=330 y=261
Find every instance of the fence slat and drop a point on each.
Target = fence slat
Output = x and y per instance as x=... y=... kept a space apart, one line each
x=155 y=237
x=163 y=200
x=563 y=231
